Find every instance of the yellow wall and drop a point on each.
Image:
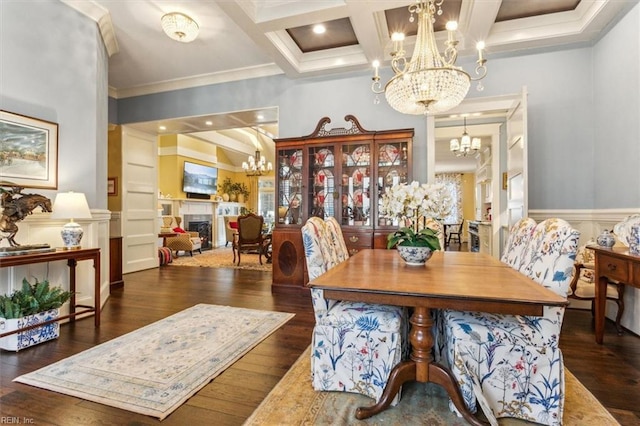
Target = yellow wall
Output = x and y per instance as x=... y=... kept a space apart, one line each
x=114 y=167
x=468 y=200
x=171 y=166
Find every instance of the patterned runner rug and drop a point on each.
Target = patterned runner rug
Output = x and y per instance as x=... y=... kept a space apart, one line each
x=155 y=369
x=294 y=402
x=222 y=258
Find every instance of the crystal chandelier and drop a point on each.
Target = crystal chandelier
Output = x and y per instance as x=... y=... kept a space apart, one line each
x=179 y=26
x=257 y=166
x=430 y=82
x=466 y=144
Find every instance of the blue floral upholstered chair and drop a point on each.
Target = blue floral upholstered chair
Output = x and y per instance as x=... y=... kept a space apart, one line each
x=354 y=345
x=512 y=364
x=519 y=236
x=337 y=239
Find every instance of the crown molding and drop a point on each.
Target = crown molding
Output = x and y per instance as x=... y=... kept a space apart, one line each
x=100 y=16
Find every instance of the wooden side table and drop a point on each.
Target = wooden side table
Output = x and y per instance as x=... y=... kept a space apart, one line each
x=72 y=257
x=617 y=264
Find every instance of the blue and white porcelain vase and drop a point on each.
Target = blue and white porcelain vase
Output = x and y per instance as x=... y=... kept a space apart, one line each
x=606 y=239
x=413 y=255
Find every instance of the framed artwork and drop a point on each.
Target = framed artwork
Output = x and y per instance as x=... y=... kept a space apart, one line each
x=112 y=186
x=28 y=152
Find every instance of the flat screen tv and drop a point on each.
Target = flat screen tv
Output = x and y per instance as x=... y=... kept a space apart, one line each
x=199 y=179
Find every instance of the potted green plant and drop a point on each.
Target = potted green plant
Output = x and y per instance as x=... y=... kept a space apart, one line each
x=240 y=190
x=410 y=204
x=225 y=188
x=32 y=304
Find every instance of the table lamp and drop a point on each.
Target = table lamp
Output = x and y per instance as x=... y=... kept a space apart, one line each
x=72 y=205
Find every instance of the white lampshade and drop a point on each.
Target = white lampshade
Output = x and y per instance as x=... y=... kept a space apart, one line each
x=71 y=205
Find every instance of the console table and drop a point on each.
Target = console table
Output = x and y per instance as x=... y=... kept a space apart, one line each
x=617 y=264
x=72 y=257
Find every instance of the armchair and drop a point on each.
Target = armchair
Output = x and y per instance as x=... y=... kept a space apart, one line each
x=583 y=285
x=187 y=242
x=355 y=345
x=230 y=228
x=249 y=238
x=512 y=365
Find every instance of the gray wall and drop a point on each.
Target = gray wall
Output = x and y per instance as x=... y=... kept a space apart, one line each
x=582 y=104
x=616 y=63
x=54 y=67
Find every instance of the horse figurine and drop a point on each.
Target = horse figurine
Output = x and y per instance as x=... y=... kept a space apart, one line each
x=17 y=206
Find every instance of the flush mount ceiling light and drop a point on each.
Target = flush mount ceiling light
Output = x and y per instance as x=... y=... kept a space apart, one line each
x=319 y=29
x=180 y=27
x=429 y=82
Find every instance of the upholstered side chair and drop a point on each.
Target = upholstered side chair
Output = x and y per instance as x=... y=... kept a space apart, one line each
x=337 y=239
x=187 y=242
x=583 y=286
x=249 y=238
x=512 y=365
x=354 y=345
x=520 y=234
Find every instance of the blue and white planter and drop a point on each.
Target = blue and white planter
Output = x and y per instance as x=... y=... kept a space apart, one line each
x=415 y=256
x=27 y=338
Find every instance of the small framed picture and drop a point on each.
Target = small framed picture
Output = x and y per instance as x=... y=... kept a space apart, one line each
x=112 y=186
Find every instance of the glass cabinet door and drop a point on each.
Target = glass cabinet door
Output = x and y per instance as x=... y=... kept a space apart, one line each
x=392 y=157
x=290 y=190
x=322 y=197
x=355 y=184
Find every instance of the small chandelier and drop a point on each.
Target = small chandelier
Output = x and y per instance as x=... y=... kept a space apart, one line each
x=430 y=82
x=179 y=26
x=257 y=166
x=466 y=144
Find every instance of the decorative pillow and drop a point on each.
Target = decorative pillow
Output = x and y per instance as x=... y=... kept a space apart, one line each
x=233 y=225
x=179 y=230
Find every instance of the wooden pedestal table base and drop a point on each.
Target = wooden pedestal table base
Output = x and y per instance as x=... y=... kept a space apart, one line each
x=420 y=368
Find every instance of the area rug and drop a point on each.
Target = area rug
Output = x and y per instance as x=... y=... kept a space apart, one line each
x=222 y=258
x=155 y=369
x=294 y=402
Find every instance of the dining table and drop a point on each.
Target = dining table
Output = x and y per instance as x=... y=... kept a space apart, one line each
x=463 y=281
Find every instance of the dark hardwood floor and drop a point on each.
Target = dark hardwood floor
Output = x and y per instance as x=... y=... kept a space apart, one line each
x=611 y=371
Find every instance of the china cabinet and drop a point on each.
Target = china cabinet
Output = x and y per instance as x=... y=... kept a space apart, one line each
x=339 y=172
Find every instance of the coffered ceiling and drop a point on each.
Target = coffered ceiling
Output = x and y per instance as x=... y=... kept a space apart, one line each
x=240 y=39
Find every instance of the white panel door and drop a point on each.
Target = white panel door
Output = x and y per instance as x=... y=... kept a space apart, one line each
x=139 y=200
x=517 y=200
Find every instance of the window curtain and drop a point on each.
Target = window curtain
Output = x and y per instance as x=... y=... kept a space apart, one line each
x=453 y=183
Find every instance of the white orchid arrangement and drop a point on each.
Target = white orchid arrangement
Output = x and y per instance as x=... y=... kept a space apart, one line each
x=410 y=203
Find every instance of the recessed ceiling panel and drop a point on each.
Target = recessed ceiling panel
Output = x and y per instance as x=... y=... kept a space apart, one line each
x=516 y=9
x=339 y=33
x=398 y=18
